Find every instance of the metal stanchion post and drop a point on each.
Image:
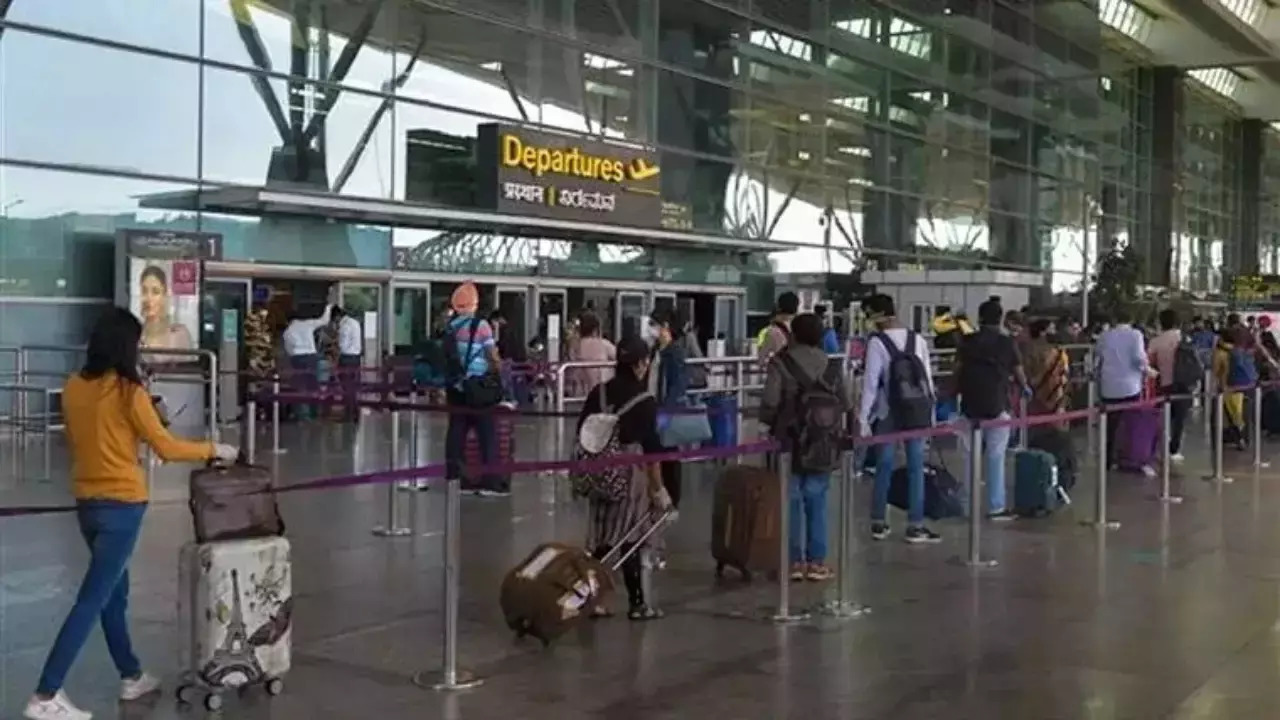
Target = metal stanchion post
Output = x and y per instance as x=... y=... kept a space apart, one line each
x=48 y=433
x=1166 y=438
x=783 y=613
x=250 y=440
x=739 y=380
x=413 y=446
x=275 y=415
x=214 y=434
x=392 y=527
x=975 y=500
x=450 y=677
x=1100 y=520
x=1219 y=416
x=1092 y=427
x=1206 y=410
x=844 y=606
x=559 y=448
x=1258 y=462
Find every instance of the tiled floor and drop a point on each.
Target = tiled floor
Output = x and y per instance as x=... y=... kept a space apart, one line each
x=1173 y=615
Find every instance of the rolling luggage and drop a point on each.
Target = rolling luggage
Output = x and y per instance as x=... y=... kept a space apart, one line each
x=503 y=431
x=942 y=492
x=233 y=502
x=235 y=606
x=1036 y=489
x=1057 y=442
x=745 y=521
x=1137 y=438
x=548 y=593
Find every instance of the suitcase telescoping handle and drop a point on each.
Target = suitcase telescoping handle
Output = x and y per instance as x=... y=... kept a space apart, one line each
x=613 y=561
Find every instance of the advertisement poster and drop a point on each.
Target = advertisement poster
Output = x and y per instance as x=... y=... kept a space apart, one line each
x=163 y=274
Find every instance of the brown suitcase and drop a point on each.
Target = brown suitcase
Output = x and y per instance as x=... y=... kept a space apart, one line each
x=559 y=584
x=745 y=521
x=233 y=502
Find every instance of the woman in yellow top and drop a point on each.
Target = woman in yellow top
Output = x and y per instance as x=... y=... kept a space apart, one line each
x=108 y=412
x=1232 y=402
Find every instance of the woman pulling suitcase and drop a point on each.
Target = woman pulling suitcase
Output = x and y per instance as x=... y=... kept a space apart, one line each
x=108 y=413
x=609 y=522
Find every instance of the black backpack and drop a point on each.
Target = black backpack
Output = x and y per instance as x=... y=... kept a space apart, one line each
x=907 y=386
x=1188 y=371
x=818 y=420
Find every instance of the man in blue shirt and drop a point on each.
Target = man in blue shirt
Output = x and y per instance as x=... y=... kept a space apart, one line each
x=1122 y=370
x=476 y=351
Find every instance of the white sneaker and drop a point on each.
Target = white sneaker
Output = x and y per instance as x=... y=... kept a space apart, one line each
x=1148 y=471
x=58 y=707
x=138 y=687
x=1177 y=458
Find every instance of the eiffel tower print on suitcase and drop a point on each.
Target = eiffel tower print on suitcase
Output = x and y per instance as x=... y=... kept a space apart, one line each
x=234 y=611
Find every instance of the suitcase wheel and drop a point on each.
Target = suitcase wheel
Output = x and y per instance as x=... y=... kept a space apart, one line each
x=183 y=694
x=213 y=702
x=274 y=686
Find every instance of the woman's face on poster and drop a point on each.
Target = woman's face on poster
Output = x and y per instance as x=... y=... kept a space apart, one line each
x=154 y=298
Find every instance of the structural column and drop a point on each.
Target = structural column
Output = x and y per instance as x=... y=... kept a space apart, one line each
x=1246 y=237
x=1166 y=180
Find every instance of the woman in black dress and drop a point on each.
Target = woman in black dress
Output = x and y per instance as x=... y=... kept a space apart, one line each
x=608 y=522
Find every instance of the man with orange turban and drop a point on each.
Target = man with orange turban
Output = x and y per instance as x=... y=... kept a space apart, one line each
x=474 y=386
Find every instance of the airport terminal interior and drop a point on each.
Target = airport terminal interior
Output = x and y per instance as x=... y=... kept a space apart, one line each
x=236 y=164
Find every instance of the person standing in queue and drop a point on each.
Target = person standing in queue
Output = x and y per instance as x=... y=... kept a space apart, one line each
x=669 y=382
x=474 y=388
x=108 y=413
x=299 y=341
x=350 y=351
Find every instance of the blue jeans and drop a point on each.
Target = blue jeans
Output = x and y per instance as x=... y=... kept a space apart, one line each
x=455 y=442
x=110 y=529
x=915 y=481
x=995 y=443
x=809 y=517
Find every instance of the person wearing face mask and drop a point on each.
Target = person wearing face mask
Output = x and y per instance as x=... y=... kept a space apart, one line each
x=668 y=381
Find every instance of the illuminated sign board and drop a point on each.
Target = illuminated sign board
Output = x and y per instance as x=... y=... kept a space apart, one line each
x=526 y=172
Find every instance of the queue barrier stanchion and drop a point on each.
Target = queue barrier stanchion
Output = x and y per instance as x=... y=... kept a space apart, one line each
x=1166 y=439
x=450 y=677
x=1100 y=520
x=1219 y=417
x=1258 y=462
x=392 y=527
x=412 y=451
x=275 y=415
x=844 y=605
x=974 y=558
x=1092 y=401
x=783 y=613
x=250 y=440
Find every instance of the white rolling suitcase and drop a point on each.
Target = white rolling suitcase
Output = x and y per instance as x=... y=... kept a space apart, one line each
x=234 y=615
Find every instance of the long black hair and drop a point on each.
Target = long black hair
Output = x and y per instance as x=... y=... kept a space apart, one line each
x=113 y=346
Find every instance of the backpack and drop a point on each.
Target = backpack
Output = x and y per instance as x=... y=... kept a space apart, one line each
x=906 y=386
x=818 y=420
x=1242 y=370
x=598 y=440
x=1187 y=368
x=455 y=366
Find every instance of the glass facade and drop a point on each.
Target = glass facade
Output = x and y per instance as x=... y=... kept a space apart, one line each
x=947 y=133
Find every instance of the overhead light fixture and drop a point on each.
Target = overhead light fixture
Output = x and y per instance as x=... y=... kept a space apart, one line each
x=492 y=66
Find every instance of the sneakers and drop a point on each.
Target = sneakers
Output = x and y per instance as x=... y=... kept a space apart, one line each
x=1148 y=471
x=1002 y=516
x=1177 y=458
x=58 y=707
x=799 y=571
x=921 y=534
x=818 y=572
x=138 y=687
x=879 y=530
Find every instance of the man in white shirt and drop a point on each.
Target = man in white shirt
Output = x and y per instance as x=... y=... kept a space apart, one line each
x=875 y=412
x=1164 y=351
x=1122 y=369
x=299 y=341
x=350 y=351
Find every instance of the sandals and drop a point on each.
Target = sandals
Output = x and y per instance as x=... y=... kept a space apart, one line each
x=642 y=613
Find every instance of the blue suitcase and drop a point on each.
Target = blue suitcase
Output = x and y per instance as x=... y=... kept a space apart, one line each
x=1036 y=490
